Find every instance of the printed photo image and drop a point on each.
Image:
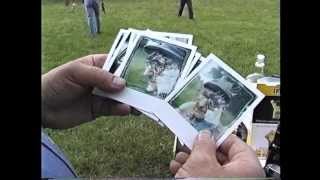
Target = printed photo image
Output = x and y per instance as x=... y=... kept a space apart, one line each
x=213 y=99
x=121 y=37
x=118 y=57
x=276 y=109
x=154 y=66
x=195 y=63
x=268 y=111
x=262 y=137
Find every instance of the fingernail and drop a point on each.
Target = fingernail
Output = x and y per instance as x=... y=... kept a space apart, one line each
x=204 y=134
x=118 y=82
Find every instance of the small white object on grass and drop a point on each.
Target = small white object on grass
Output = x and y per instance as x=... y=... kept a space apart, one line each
x=73 y=5
x=260 y=61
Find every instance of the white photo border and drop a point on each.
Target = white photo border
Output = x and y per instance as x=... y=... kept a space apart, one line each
x=108 y=64
x=177 y=35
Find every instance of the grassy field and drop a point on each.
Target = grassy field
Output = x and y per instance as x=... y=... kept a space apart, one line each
x=234 y=30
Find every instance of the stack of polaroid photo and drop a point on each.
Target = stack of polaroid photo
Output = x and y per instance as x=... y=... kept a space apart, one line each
x=173 y=84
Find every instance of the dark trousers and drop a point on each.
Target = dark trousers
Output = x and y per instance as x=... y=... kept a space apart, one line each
x=189 y=4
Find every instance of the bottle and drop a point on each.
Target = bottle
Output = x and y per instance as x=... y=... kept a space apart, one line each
x=260 y=64
x=259 y=69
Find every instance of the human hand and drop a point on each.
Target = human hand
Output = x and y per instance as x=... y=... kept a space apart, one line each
x=233 y=158
x=67 y=98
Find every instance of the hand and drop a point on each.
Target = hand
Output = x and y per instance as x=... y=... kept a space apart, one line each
x=67 y=98
x=234 y=158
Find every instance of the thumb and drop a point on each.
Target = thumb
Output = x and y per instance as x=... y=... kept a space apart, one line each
x=202 y=161
x=91 y=76
x=205 y=145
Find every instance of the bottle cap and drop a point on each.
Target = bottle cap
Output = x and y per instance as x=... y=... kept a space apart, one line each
x=260 y=58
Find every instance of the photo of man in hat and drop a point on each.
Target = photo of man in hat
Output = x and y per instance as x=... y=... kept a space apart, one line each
x=276 y=109
x=210 y=100
x=163 y=68
x=154 y=66
x=206 y=108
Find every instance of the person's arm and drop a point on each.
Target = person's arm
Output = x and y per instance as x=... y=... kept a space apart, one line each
x=233 y=158
x=67 y=98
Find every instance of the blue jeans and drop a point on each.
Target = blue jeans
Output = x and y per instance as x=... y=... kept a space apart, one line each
x=92 y=11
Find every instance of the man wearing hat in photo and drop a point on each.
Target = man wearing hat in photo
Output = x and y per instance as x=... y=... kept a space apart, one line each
x=202 y=113
x=218 y=95
x=163 y=66
x=155 y=64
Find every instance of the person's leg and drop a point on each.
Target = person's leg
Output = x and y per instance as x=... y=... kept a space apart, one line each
x=91 y=19
x=182 y=4
x=97 y=16
x=189 y=4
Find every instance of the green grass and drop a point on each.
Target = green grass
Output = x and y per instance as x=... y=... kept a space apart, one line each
x=190 y=92
x=235 y=30
x=134 y=75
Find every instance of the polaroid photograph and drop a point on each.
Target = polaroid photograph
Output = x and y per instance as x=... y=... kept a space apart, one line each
x=185 y=38
x=117 y=41
x=268 y=111
x=195 y=63
x=215 y=97
x=152 y=116
x=119 y=54
x=122 y=34
x=262 y=137
x=153 y=65
x=134 y=34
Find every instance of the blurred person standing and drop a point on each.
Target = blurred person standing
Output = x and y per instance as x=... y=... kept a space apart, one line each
x=189 y=4
x=92 y=8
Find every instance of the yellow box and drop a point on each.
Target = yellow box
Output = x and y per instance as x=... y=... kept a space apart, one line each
x=269 y=86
